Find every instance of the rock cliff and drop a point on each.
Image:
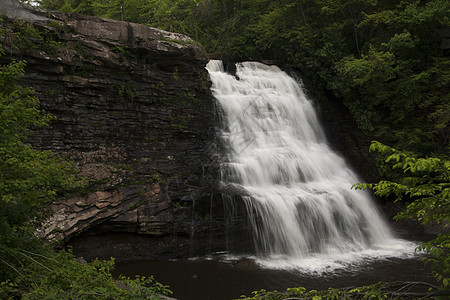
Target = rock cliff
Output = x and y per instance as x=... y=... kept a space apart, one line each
x=134 y=112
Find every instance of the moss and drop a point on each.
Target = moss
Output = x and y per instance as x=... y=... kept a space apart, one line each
x=189 y=98
x=137 y=204
x=124 y=52
x=178 y=122
x=79 y=48
x=175 y=74
x=19 y=34
x=55 y=24
x=53 y=92
x=83 y=71
x=126 y=90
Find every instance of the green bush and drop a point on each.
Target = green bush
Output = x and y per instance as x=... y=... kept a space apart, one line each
x=29 y=181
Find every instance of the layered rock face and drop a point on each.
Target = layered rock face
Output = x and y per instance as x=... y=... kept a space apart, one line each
x=134 y=112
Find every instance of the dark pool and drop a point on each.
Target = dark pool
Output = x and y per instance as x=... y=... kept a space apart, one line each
x=218 y=278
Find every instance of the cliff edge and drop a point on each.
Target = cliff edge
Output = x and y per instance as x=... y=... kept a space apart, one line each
x=134 y=112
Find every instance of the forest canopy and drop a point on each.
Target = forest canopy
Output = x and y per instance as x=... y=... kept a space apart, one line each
x=387 y=61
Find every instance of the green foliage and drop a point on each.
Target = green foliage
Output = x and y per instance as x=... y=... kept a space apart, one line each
x=19 y=34
x=84 y=70
x=60 y=276
x=126 y=90
x=179 y=122
x=381 y=290
x=129 y=10
x=122 y=51
x=28 y=178
x=425 y=181
x=381 y=58
x=425 y=185
x=396 y=88
x=29 y=181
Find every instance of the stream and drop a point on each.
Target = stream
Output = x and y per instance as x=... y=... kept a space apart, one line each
x=225 y=278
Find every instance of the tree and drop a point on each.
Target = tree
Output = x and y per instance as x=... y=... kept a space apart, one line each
x=60 y=276
x=425 y=184
x=29 y=181
x=397 y=88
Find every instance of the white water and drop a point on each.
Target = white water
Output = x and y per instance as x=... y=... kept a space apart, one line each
x=303 y=211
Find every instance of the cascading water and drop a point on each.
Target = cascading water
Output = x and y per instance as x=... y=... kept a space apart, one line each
x=297 y=190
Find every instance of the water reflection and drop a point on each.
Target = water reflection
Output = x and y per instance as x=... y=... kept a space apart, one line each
x=223 y=279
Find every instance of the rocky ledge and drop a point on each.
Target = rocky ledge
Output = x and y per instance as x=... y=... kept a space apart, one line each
x=134 y=112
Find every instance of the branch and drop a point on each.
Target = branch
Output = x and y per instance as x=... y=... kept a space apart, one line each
x=405 y=284
x=43 y=256
x=400 y=290
x=11 y=266
x=94 y=294
x=32 y=259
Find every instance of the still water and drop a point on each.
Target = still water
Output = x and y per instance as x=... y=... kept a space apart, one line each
x=225 y=278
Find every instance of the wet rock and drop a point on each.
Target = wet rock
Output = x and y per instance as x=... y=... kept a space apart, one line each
x=133 y=111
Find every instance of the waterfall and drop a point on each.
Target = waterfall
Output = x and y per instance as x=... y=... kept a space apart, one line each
x=297 y=189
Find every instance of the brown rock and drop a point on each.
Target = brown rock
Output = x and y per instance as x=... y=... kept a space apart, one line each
x=135 y=114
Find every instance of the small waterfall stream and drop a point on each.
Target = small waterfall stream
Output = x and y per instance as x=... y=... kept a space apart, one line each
x=298 y=190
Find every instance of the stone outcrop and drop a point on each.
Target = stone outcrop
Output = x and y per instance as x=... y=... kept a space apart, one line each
x=134 y=112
